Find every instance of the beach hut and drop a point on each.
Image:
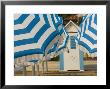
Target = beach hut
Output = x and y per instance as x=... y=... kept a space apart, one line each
x=73 y=58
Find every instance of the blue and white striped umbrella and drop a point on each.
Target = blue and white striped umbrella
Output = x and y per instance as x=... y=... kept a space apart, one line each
x=35 y=33
x=87 y=34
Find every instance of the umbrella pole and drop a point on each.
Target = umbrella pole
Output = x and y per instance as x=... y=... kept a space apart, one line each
x=46 y=66
x=33 y=69
x=42 y=66
x=24 y=70
x=37 y=67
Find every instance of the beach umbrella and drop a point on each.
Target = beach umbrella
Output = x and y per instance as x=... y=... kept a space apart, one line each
x=87 y=34
x=35 y=33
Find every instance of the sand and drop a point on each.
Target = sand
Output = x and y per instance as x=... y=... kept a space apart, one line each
x=90 y=69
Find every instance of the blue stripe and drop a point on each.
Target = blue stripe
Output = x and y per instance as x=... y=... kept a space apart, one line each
x=32 y=40
x=94 y=31
x=27 y=52
x=83 y=18
x=61 y=31
x=93 y=41
x=95 y=19
x=21 y=19
x=59 y=19
x=81 y=29
x=46 y=19
x=52 y=50
x=29 y=27
x=34 y=60
x=85 y=24
x=53 y=20
x=87 y=47
x=90 y=20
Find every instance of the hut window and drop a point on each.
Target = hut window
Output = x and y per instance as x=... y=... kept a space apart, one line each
x=72 y=42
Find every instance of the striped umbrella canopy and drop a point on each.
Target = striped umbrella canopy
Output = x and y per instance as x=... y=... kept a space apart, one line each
x=35 y=33
x=87 y=34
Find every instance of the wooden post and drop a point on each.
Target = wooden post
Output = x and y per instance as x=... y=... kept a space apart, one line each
x=33 y=69
x=37 y=67
x=24 y=67
x=42 y=66
x=24 y=70
x=46 y=66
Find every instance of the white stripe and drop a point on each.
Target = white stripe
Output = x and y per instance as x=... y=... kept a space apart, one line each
x=60 y=27
x=59 y=18
x=16 y=16
x=88 y=43
x=25 y=47
x=50 y=21
x=55 y=18
x=92 y=22
x=25 y=22
x=87 y=24
x=33 y=31
x=91 y=34
x=93 y=25
x=93 y=16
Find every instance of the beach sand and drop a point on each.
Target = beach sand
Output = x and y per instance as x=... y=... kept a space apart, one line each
x=90 y=69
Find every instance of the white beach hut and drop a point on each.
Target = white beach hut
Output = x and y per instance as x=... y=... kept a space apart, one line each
x=73 y=59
